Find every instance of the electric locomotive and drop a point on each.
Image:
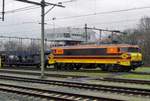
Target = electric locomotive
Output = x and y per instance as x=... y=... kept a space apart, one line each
x=112 y=57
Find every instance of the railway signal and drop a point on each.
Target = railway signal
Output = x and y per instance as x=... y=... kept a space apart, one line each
x=43 y=4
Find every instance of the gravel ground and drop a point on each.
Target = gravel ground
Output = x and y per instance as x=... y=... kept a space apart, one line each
x=15 y=97
x=5 y=96
x=145 y=86
x=84 y=80
x=73 y=73
x=91 y=73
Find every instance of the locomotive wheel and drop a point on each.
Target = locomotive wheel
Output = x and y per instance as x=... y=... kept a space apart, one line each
x=110 y=68
x=57 y=66
x=62 y=66
x=124 y=69
x=117 y=68
x=127 y=69
x=71 y=67
x=120 y=69
x=77 y=66
x=67 y=67
x=103 y=67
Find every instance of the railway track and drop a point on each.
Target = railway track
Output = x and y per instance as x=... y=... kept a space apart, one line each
x=108 y=79
x=37 y=73
x=106 y=88
x=146 y=82
x=51 y=94
x=52 y=69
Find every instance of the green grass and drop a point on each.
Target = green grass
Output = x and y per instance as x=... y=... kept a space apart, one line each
x=135 y=76
x=99 y=73
x=143 y=69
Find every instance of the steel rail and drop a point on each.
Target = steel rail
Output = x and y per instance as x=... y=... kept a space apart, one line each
x=51 y=94
x=109 y=79
x=99 y=87
x=135 y=81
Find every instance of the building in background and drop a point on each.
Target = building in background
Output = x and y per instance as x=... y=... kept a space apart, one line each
x=69 y=36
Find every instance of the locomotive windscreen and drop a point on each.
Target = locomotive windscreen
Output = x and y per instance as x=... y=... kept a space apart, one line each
x=130 y=49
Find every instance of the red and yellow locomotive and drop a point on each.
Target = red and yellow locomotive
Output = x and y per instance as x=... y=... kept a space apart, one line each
x=114 y=57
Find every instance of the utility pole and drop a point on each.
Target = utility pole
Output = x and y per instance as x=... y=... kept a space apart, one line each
x=42 y=37
x=100 y=36
x=86 y=34
x=43 y=4
x=3 y=10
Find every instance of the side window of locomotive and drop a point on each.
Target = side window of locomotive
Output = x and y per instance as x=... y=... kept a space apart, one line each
x=68 y=52
x=80 y=52
x=132 y=49
x=100 y=51
x=124 y=49
x=86 y=52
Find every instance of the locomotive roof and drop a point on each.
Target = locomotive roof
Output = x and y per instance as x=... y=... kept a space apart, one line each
x=95 y=46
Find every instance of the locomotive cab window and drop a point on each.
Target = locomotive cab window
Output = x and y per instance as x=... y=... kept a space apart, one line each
x=130 y=49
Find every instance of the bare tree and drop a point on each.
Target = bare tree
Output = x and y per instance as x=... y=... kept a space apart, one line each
x=34 y=47
x=10 y=46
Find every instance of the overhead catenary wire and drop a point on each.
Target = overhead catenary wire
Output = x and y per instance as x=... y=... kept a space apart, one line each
x=30 y=8
x=71 y=17
x=102 y=13
x=97 y=23
x=77 y=16
x=68 y=1
x=21 y=9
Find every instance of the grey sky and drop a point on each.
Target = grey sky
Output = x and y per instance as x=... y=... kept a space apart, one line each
x=26 y=23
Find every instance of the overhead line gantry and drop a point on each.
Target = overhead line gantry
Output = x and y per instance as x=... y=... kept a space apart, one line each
x=43 y=4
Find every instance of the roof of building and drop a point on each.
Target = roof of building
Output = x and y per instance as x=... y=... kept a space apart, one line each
x=68 y=30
